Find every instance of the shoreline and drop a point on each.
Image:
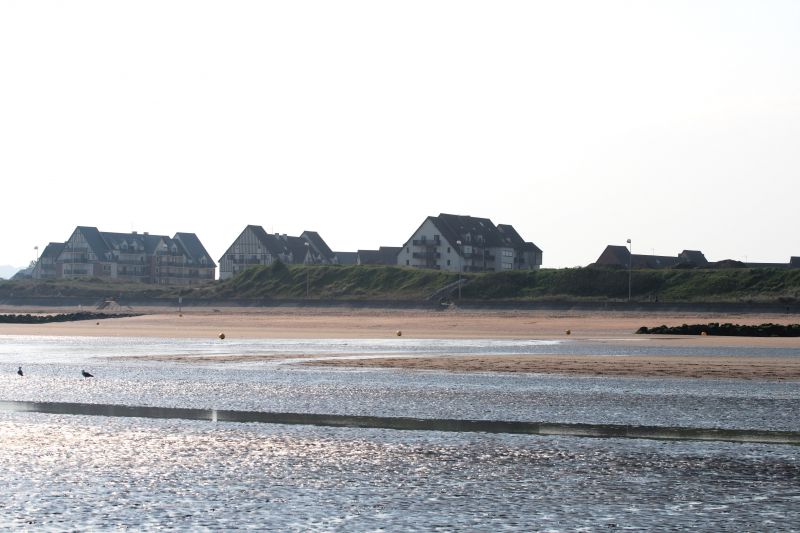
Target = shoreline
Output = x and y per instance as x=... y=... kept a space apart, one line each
x=607 y=328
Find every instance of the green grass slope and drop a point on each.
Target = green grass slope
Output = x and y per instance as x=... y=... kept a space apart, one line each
x=319 y=282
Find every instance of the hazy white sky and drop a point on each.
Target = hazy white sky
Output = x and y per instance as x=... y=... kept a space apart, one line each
x=582 y=123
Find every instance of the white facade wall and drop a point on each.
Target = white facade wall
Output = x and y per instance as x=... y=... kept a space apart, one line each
x=245 y=252
x=437 y=253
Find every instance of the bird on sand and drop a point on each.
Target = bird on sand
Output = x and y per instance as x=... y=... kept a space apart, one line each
x=19 y=371
x=85 y=374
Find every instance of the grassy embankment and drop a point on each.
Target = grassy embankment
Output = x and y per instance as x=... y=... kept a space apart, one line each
x=289 y=282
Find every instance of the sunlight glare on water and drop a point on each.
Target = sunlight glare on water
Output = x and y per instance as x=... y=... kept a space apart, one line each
x=95 y=473
x=73 y=472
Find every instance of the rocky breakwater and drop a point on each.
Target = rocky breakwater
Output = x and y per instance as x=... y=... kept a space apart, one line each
x=727 y=329
x=62 y=317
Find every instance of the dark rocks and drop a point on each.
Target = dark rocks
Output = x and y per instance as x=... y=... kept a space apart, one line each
x=727 y=329
x=64 y=317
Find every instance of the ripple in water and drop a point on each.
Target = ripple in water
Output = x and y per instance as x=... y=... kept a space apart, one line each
x=86 y=473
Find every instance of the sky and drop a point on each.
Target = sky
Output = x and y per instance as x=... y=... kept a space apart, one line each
x=675 y=124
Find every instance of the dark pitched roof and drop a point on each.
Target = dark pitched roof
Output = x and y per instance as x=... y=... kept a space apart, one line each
x=285 y=245
x=94 y=239
x=347 y=258
x=297 y=247
x=385 y=255
x=624 y=258
x=620 y=256
x=144 y=241
x=693 y=256
x=52 y=250
x=270 y=242
x=194 y=248
x=511 y=237
x=465 y=228
x=614 y=255
x=102 y=243
x=317 y=242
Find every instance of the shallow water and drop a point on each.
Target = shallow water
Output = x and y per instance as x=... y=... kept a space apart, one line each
x=54 y=349
x=90 y=473
x=101 y=473
x=531 y=397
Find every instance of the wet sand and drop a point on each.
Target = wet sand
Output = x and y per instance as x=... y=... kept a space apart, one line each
x=337 y=323
x=772 y=368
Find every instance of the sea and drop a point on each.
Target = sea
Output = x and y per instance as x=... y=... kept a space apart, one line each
x=146 y=464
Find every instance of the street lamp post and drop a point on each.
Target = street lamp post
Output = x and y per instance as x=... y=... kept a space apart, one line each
x=630 y=267
x=460 y=266
x=305 y=260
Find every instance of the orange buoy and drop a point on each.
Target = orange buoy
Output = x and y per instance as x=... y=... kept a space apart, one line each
x=399 y=333
x=221 y=335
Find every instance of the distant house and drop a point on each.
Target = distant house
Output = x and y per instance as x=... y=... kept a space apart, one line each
x=347 y=258
x=620 y=256
x=385 y=255
x=47 y=264
x=134 y=257
x=468 y=244
x=254 y=246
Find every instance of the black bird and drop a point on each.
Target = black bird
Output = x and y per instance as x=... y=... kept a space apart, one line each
x=85 y=374
x=19 y=371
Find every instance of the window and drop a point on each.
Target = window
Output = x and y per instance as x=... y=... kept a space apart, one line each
x=448 y=249
x=507 y=266
x=448 y=262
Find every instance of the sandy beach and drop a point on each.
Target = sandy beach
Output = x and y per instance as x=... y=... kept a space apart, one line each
x=342 y=323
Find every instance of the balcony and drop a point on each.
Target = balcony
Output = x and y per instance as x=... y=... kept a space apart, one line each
x=429 y=256
x=166 y=277
x=427 y=243
x=251 y=261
